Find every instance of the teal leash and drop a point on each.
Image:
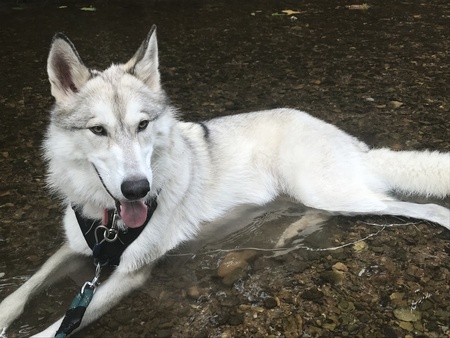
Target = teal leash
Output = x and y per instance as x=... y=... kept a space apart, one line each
x=106 y=250
x=76 y=311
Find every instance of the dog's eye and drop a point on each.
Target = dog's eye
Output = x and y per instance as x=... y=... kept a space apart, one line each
x=98 y=130
x=142 y=125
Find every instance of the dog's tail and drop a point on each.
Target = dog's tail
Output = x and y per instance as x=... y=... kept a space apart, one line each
x=424 y=173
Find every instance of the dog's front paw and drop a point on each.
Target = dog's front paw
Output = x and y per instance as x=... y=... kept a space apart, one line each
x=10 y=308
x=48 y=332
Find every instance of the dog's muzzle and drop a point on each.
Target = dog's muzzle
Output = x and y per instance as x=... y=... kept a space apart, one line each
x=134 y=211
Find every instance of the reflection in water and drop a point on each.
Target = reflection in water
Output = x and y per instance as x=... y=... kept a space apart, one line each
x=251 y=227
x=275 y=229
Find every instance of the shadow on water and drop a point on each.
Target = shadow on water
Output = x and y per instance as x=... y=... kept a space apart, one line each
x=378 y=71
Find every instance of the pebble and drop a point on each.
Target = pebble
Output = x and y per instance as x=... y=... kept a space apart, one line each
x=406 y=325
x=312 y=294
x=226 y=334
x=340 y=267
x=234 y=276
x=397 y=298
x=193 y=292
x=332 y=277
x=34 y=259
x=418 y=326
x=425 y=305
x=346 y=306
x=257 y=309
x=407 y=314
x=360 y=246
x=233 y=261
x=270 y=303
x=236 y=319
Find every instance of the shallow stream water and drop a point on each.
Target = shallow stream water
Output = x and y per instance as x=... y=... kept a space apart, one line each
x=378 y=69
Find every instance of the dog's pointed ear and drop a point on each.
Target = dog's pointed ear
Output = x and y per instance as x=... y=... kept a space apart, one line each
x=66 y=72
x=144 y=63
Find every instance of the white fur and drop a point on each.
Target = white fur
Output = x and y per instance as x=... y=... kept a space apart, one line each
x=201 y=172
x=428 y=172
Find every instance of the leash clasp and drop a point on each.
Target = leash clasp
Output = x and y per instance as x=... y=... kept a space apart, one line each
x=94 y=282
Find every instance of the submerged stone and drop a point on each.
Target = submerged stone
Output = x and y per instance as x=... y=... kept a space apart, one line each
x=312 y=294
x=407 y=314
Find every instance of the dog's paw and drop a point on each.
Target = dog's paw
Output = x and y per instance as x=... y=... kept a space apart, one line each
x=50 y=331
x=10 y=308
x=3 y=332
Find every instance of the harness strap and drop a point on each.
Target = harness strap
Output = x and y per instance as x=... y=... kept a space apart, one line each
x=109 y=252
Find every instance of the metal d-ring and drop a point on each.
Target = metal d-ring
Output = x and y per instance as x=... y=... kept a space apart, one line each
x=109 y=235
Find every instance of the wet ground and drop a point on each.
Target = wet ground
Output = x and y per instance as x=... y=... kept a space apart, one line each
x=378 y=70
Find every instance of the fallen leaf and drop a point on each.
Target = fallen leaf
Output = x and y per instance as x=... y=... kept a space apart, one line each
x=88 y=9
x=290 y=12
x=359 y=7
x=395 y=104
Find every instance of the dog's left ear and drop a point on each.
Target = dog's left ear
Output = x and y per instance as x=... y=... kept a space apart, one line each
x=144 y=63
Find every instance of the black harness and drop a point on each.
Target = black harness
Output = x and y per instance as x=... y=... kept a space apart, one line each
x=106 y=241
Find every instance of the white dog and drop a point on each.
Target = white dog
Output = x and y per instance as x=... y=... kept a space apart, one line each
x=137 y=182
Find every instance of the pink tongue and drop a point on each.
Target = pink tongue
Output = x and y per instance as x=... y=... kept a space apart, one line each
x=133 y=213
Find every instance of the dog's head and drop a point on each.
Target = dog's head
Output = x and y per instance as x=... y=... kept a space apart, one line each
x=106 y=127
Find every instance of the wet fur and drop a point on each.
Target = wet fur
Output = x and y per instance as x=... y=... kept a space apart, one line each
x=200 y=171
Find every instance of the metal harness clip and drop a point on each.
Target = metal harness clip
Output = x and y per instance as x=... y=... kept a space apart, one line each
x=94 y=282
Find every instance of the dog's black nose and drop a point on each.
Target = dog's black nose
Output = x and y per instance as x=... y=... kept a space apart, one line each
x=135 y=189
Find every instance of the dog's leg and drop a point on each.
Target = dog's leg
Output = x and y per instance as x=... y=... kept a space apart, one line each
x=107 y=295
x=56 y=267
x=360 y=194
x=364 y=202
x=430 y=212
